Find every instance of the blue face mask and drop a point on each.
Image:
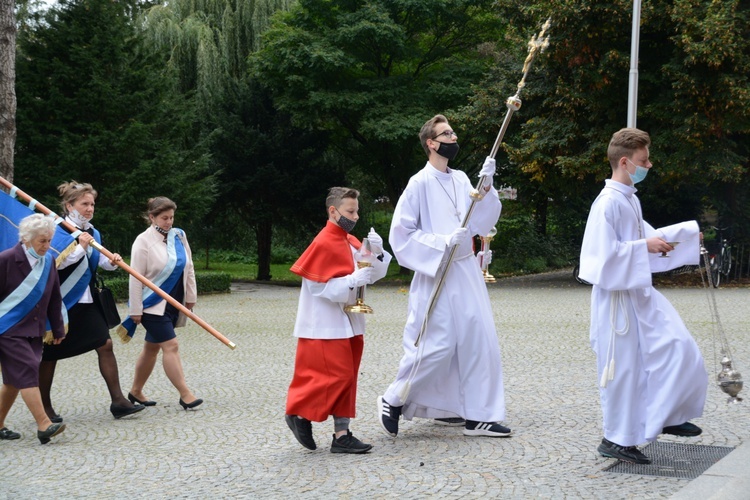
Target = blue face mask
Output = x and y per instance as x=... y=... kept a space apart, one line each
x=640 y=173
x=33 y=253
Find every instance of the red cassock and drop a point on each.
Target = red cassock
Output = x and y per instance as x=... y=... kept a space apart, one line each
x=326 y=370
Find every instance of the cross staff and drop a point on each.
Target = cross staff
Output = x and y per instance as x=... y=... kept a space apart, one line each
x=536 y=45
x=16 y=192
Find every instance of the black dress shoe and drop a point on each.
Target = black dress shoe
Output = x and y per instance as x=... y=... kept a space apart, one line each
x=134 y=400
x=52 y=430
x=8 y=434
x=55 y=418
x=123 y=411
x=187 y=406
x=302 y=429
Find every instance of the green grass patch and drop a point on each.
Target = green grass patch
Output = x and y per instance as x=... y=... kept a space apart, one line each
x=279 y=272
x=248 y=272
x=207 y=282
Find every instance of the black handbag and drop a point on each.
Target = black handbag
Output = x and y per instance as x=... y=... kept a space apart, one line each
x=106 y=301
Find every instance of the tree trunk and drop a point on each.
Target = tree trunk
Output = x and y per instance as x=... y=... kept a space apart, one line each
x=540 y=222
x=7 y=87
x=263 y=231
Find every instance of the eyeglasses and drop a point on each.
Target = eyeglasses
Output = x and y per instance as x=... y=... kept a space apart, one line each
x=447 y=133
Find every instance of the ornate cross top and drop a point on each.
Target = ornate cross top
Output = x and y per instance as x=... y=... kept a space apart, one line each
x=537 y=44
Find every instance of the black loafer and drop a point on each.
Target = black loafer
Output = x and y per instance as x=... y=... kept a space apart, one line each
x=7 y=434
x=123 y=411
x=55 y=418
x=302 y=430
x=52 y=430
x=687 y=430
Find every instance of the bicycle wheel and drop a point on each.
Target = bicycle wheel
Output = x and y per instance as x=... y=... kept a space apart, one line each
x=715 y=263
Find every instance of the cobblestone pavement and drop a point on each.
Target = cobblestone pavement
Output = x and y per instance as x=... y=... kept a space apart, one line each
x=236 y=445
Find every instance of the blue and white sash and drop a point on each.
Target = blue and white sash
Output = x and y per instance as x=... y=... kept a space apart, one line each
x=12 y=212
x=166 y=280
x=74 y=286
x=22 y=300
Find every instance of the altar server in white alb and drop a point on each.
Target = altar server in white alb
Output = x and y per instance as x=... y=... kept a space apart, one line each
x=651 y=373
x=456 y=372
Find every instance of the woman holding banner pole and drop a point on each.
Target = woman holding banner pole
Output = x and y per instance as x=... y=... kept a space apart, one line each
x=88 y=330
x=162 y=254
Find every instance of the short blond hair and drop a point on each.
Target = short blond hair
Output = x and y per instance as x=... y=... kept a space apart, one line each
x=625 y=142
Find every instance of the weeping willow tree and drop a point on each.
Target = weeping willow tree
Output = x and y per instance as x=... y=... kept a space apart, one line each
x=260 y=157
x=206 y=42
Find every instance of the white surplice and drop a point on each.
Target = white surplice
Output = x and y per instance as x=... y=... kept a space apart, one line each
x=659 y=377
x=460 y=371
x=320 y=312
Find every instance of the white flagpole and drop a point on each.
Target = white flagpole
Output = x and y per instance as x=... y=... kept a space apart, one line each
x=633 y=81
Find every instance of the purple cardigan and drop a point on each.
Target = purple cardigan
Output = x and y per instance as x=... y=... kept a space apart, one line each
x=14 y=267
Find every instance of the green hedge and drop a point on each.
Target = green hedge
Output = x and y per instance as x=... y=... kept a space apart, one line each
x=208 y=282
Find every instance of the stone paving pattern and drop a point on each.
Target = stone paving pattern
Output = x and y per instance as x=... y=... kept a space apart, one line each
x=236 y=445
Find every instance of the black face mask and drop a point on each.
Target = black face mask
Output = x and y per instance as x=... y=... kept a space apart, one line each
x=345 y=223
x=448 y=150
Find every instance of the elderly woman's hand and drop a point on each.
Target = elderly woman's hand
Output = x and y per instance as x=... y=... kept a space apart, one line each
x=57 y=341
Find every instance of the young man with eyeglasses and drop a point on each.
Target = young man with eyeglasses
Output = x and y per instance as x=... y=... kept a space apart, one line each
x=456 y=372
x=651 y=373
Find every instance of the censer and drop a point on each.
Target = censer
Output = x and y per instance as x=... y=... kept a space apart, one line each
x=729 y=379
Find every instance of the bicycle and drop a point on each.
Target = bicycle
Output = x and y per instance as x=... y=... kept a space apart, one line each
x=720 y=262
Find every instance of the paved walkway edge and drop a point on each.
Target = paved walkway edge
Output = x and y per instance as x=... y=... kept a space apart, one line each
x=728 y=479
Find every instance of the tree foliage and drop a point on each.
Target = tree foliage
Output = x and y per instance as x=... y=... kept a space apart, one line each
x=94 y=107
x=373 y=72
x=269 y=171
x=280 y=100
x=692 y=99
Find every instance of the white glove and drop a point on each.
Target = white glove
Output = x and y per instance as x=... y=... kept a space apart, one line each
x=488 y=168
x=360 y=277
x=376 y=242
x=484 y=259
x=456 y=236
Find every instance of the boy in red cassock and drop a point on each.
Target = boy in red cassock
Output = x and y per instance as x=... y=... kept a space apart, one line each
x=330 y=340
